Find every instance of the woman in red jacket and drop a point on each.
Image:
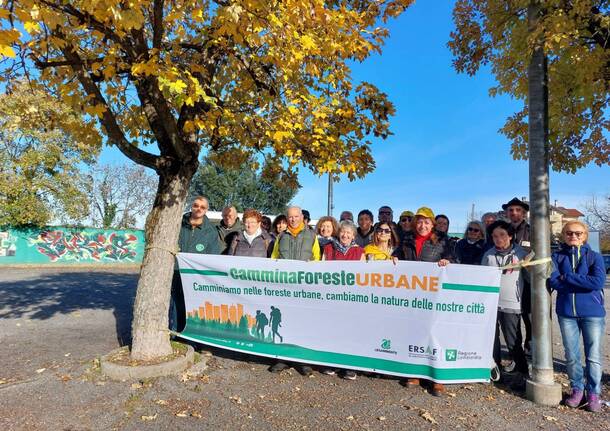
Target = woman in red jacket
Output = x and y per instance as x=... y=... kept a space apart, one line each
x=345 y=248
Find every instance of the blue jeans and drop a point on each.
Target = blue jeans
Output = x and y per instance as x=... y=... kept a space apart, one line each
x=592 y=329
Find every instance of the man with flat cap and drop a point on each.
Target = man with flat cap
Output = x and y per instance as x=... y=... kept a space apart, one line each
x=516 y=211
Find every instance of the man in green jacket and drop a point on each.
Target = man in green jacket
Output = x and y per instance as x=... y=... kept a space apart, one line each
x=297 y=243
x=197 y=235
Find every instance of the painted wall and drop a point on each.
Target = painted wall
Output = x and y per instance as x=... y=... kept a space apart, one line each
x=69 y=246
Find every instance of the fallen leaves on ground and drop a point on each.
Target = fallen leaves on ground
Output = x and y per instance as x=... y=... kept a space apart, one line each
x=149 y=418
x=550 y=418
x=427 y=416
x=236 y=399
x=40 y=370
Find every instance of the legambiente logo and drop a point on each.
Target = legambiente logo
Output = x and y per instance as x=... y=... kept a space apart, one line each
x=386 y=345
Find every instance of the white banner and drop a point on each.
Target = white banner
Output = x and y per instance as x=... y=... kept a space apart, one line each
x=412 y=319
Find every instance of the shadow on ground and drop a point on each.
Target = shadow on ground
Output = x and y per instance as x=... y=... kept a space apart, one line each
x=45 y=296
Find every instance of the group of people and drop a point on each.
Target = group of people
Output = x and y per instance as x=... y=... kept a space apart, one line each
x=497 y=240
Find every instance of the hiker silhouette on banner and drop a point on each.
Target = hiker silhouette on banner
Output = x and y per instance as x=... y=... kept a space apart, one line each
x=276 y=322
x=261 y=322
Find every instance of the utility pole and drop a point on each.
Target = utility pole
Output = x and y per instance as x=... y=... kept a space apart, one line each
x=541 y=386
x=329 y=211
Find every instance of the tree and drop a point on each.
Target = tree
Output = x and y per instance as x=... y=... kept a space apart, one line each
x=598 y=217
x=267 y=189
x=121 y=194
x=42 y=143
x=575 y=35
x=234 y=77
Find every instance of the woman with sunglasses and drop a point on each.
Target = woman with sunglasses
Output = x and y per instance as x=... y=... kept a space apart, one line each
x=579 y=278
x=384 y=243
x=469 y=250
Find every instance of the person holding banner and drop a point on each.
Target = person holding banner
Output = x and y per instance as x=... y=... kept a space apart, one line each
x=425 y=244
x=345 y=248
x=253 y=241
x=197 y=235
x=385 y=241
x=504 y=253
x=297 y=243
x=579 y=278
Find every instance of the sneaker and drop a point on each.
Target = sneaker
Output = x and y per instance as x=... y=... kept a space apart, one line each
x=304 y=370
x=495 y=374
x=438 y=389
x=594 y=403
x=510 y=368
x=329 y=371
x=278 y=367
x=349 y=375
x=574 y=399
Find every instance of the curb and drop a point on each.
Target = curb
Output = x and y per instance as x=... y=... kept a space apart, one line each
x=126 y=372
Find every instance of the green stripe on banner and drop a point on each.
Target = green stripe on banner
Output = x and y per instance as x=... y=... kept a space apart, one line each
x=471 y=288
x=203 y=272
x=294 y=352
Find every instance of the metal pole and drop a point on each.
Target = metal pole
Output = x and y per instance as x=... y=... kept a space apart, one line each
x=541 y=387
x=330 y=195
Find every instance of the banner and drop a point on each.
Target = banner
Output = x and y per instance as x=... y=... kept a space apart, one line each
x=411 y=319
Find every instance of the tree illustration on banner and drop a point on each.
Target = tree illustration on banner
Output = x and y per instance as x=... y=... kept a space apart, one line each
x=236 y=79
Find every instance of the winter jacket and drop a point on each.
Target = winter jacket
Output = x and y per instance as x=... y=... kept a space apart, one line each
x=227 y=234
x=364 y=239
x=578 y=277
x=469 y=254
x=198 y=239
x=511 y=281
x=260 y=246
x=353 y=253
x=431 y=251
x=522 y=236
x=304 y=246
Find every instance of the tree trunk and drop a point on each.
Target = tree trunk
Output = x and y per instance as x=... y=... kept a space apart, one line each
x=150 y=336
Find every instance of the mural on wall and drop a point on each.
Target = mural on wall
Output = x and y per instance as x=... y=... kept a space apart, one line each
x=74 y=246
x=8 y=244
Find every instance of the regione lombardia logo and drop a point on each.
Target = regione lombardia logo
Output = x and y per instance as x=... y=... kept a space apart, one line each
x=451 y=355
x=386 y=344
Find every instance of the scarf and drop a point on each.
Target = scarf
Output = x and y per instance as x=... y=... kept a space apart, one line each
x=250 y=238
x=297 y=230
x=323 y=241
x=419 y=243
x=372 y=249
x=340 y=247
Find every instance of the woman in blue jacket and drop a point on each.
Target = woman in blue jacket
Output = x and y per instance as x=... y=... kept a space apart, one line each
x=578 y=278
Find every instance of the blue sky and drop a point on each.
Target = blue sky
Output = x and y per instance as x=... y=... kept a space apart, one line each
x=446 y=152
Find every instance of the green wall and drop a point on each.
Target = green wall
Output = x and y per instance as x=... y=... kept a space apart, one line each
x=70 y=246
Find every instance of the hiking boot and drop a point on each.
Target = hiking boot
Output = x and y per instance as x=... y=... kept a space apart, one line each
x=412 y=383
x=594 y=403
x=304 y=370
x=574 y=399
x=438 y=389
x=329 y=371
x=349 y=375
x=278 y=367
x=495 y=374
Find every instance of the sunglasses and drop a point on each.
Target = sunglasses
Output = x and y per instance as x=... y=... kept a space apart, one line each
x=385 y=212
x=576 y=234
x=405 y=219
x=473 y=229
x=383 y=230
x=203 y=207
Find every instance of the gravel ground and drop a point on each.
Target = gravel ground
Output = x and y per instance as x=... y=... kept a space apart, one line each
x=55 y=322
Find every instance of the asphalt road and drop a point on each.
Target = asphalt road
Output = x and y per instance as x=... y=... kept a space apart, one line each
x=54 y=323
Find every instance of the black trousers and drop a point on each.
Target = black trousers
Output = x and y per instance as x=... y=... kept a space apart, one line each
x=177 y=308
x=511 y=329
